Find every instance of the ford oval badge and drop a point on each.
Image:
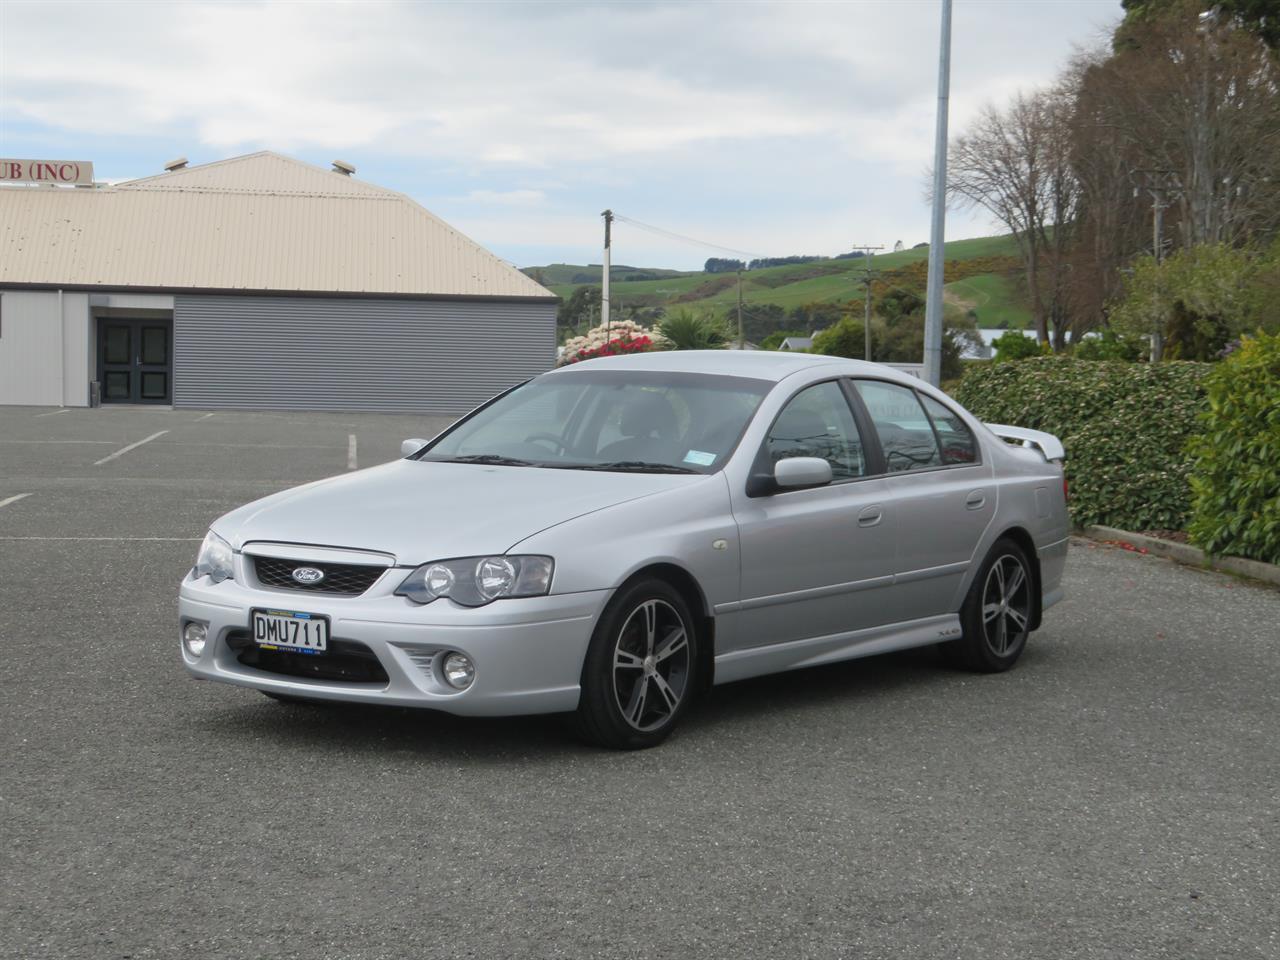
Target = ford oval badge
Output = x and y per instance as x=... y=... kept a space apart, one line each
x=308 y=575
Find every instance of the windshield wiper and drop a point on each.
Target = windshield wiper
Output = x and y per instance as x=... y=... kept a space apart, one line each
x=628 y=466
x=493 y=458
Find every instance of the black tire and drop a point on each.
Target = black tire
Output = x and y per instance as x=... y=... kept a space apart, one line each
x=644 y=646
x=997 y=612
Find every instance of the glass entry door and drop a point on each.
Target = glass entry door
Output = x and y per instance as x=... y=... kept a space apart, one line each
x=135 y=360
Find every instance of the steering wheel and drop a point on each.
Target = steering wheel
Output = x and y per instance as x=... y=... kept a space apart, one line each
x=549 y=437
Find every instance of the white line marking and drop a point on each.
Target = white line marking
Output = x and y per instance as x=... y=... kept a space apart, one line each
x=351 y=451
x=117 y=539
x=5 y=503
x=123 y=450
x=54 y=413
x=106 y=443
x=205 y=417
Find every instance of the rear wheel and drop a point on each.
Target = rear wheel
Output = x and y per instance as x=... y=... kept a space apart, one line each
x=639 y=673
x=996 y=616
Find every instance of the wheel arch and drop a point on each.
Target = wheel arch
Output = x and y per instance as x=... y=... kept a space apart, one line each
x=686 y=584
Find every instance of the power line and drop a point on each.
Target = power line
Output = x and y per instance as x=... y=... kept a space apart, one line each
x=680 y=236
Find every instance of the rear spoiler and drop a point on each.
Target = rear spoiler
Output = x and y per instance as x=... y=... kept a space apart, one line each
x=1048 y=445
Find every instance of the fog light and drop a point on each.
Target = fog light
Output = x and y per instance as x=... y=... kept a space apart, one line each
x=193 y=637
x=458 y=670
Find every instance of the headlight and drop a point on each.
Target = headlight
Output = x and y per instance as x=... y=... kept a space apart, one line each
x=475 y=581
x=214 y=559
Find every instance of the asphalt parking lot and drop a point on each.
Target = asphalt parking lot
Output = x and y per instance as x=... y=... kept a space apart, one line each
x=1116 y=795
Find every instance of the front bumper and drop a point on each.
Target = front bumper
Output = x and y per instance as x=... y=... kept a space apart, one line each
x=528 y=653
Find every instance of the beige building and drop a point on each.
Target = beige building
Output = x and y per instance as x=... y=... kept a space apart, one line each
x=258 y=282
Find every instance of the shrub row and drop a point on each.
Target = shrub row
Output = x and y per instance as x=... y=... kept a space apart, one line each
x=1124 y=425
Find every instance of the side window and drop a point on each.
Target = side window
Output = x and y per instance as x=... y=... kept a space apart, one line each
x=906 y=436
x=958 y=445
x=818 y=423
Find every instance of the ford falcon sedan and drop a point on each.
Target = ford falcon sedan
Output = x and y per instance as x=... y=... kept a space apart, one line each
x=612 y=538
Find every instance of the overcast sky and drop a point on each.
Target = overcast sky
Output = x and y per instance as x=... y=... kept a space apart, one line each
x=772 y=128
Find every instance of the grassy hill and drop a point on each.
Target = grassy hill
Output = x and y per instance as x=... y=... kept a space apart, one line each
x=989 y=289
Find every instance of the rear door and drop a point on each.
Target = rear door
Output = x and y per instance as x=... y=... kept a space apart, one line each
x=942 y=493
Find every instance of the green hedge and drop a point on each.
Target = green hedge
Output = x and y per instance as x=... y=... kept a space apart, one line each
x=1124 y=425
x=1236 y=474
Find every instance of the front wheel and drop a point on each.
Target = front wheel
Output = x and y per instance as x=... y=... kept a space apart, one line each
x=996 y=616
x=639 y=673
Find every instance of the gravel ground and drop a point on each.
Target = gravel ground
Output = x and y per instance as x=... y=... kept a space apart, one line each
x=1116 y=795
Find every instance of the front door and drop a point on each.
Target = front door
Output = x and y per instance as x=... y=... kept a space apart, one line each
x=815 y=562
x=135 y=360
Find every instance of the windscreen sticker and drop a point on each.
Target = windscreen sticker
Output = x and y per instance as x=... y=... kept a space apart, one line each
x=700 y=457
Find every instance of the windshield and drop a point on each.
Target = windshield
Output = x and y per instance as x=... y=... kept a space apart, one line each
x=623 y=420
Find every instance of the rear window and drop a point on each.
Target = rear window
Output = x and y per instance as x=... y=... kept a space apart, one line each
x=958 y=445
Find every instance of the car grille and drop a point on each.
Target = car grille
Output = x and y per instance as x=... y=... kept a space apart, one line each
x=348 y=579
x=345 y=660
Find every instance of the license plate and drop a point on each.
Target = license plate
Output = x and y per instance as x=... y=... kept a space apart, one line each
x=290 y=630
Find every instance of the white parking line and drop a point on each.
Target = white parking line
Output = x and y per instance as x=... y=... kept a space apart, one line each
x=106 y=443
x=123 y=450
x=54 y=413
x=205 y=417
x=351 y=451
x=15 y=499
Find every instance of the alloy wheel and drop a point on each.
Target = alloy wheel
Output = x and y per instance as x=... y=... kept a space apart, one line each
x=651 y=665
x=1006 y=604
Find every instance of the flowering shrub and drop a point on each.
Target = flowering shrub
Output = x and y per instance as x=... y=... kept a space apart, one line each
x=621 y=337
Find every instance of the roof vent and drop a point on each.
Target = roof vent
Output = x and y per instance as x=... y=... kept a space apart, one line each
x=177 y=164
x=344 y=168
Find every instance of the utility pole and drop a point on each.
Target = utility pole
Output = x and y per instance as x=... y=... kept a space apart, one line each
x=1164 y=188
x=742 y=341
x=604 y=287
x=933 y=296
x=867 y=277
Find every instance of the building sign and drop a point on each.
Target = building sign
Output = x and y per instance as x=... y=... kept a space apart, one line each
x=46 y=171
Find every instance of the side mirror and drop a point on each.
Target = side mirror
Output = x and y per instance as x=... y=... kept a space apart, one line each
x=801 y=472
x=409 y=447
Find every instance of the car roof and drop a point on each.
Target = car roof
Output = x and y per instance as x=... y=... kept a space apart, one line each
x=759 y=364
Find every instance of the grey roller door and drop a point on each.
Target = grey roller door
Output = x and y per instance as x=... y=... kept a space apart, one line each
x=303 y=353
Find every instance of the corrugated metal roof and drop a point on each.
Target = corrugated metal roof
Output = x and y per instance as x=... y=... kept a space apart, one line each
x=262 y=222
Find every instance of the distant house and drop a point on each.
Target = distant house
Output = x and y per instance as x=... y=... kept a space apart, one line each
x=988 y=336
x=796 y=343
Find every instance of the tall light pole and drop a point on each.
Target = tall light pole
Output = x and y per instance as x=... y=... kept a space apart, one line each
x=933 y=294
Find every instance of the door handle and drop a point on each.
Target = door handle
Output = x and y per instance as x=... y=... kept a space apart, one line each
x=975 y=500
x=870 y=516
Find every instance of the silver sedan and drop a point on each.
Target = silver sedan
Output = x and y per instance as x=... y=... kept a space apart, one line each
x=611 y=538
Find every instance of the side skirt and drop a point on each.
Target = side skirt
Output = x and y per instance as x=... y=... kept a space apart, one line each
x=741 y=664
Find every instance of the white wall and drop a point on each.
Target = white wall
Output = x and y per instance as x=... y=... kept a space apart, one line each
x=45 y=355
x=44 y=362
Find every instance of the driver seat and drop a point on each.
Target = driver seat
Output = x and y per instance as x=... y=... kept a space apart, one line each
x=648 y=427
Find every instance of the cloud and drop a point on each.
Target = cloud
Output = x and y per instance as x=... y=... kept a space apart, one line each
x=687 y=113
x=514 y=198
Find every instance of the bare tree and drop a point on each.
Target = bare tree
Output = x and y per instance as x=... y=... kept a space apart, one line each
x=1016 y=164
x=1111 y=216
x=1199 y=97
